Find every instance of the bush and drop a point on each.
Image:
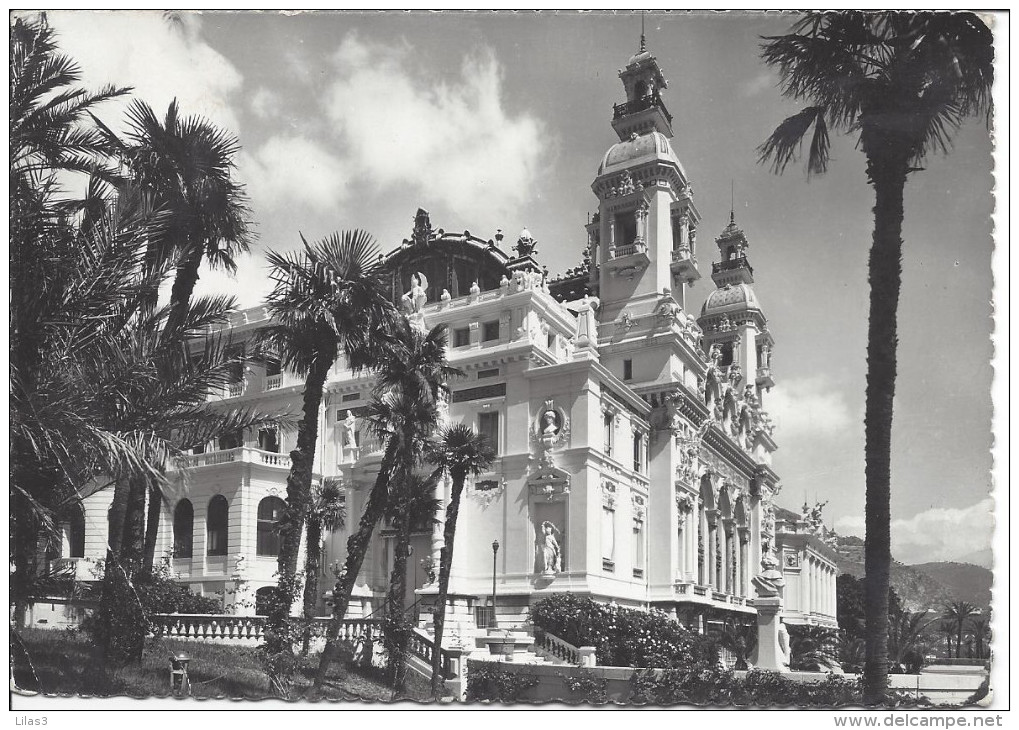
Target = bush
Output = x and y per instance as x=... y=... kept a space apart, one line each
x=623 y=637
x=489 y=681
x=159 y=594
x=586 y=686
x=713 y=685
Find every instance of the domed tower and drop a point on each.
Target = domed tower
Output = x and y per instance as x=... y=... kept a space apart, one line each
x=643 y=236
x=732 y=318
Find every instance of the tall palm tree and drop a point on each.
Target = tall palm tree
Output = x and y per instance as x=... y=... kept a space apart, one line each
x=412 y=507
x=459 y=452
x=981 y=628
x=412 y=379
x=904 y=82
x=327 y=512
x=185 y=165
x=958 y=613
x=327 y=297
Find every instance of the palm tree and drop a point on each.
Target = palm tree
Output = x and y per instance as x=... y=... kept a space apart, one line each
x=459 y=452
x=327 y=512
x=904 y=82
x=958 y=613
x=411 y=507
x=327 y=298
x=185 y=166
x=906 y=638
x=411 y=382
x=981 y=628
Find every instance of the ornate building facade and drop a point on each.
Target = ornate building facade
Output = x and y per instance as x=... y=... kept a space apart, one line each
x=633 y=446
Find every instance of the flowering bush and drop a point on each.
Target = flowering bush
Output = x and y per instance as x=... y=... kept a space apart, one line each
x=623 y=637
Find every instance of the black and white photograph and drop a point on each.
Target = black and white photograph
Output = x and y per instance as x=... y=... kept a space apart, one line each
x=490 y=359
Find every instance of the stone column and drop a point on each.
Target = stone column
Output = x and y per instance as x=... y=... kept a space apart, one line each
x=709 y=552
x=723 y=538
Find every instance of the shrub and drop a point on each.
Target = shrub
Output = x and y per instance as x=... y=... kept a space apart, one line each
x=623 y=637
x=586 y=686
x=489 y=681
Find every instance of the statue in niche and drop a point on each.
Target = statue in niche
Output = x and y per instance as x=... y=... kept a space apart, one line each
x=413 y=302
x=350 y=431
x=551 y=553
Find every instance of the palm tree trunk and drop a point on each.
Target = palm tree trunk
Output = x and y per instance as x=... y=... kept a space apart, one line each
x=152 y=528
x=312 y=564
x=132 y=542
x=357 y=548
x=886 y=169
x=279 y=641
x=184 y=284
x=445 y=565
x=395 y=599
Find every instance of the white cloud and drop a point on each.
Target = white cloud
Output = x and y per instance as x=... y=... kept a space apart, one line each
x=938 y=533
x=808 y=408
x=161 y=59
x=293 y=171
x=264 y=103
x=249 y=285
x=454 y=141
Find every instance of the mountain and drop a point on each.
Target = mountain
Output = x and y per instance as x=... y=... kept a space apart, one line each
x=965 y=581
x=926 y=586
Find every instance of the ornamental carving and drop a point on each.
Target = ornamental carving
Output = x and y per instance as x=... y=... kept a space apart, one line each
x=684 y=503
x=639 y=507
x=486 y=491
x=608 y=495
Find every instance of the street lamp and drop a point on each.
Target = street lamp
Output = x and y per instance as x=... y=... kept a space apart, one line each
x=495 y=550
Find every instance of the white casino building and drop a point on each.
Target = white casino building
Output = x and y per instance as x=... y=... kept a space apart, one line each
x=634 y=449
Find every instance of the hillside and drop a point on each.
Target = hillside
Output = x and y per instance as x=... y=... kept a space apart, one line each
x=929 y=585
x=965 y=581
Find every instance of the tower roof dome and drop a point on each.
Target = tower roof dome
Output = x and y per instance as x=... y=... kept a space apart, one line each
x=642 y=148
x=732 y=298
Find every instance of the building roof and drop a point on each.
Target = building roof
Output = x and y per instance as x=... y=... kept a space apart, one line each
x=730 y=298
x=639 y=149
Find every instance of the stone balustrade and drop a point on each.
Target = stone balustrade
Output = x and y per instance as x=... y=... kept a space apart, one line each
x=247 y=629
x=557 y=648
x=245 y=454
x=273 y=382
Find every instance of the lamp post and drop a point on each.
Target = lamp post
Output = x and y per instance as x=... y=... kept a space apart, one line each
x=495 y=550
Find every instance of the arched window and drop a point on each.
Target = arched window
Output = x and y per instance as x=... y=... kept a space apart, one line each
x=270 y=512
x=183 y=529
x=216 y=525
x=76 y=534
x=262 y=598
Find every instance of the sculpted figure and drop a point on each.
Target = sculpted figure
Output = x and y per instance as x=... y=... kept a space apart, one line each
x=414 y=300
x=350 y=430
x=550 y=423
x=550 y=551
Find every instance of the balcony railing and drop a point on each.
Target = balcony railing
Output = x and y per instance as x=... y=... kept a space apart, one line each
x=740 y=262
x=234 y=390
x=273 y=382
x=639 y=105
x=618 y=252
x=245 y=454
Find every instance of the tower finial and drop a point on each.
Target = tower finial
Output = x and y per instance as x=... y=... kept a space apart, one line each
x=732 y=200
x=643 y=40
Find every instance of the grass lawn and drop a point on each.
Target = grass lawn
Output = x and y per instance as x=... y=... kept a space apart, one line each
x=56 y=662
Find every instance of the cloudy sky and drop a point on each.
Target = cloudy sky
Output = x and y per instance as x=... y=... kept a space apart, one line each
x=499 y=121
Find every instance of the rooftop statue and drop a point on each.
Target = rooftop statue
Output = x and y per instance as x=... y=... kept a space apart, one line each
x=413 y=302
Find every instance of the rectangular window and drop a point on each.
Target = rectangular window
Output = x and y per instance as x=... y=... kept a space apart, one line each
x=627 y=369
x=461 y=337
x=269 y=440
x=627 y=223
x=232 y=440
x=235 y=357
x=609 y=425
x=488 y=426
x=490 y=373
x=608 y=538
x=638 y=452
x=490 y=331
x=348 y=397
x=638 y=549
x=272 y=367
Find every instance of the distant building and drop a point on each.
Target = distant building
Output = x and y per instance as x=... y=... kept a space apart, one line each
x=634 y=450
